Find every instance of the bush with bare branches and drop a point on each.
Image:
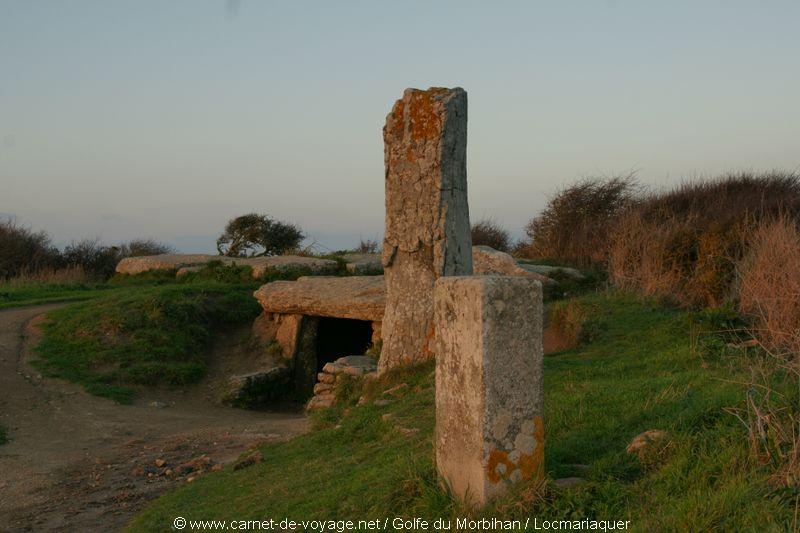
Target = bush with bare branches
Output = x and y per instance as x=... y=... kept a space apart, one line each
x=576 y=225
x=24 y=251
x=488 y=232
x=367 y=246
x=684 y=244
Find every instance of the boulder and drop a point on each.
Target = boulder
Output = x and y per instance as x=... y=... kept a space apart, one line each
x=353 y=297
x=487 y=260
x=257 y=387
x=185 y=263
x=363 y=264
x=187 y=270
x=137 y=265
x=644 y=440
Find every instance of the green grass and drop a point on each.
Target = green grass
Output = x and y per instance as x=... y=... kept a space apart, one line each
x=157 y=334
x=637 y=374
x=36 y=293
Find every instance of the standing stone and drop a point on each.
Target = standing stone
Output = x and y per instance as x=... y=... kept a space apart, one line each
x=427 y=217
x=489 y=397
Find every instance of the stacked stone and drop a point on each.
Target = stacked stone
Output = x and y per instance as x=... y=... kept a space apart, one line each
x=353 y=365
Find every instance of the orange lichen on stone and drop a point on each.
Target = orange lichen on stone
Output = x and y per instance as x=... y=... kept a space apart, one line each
x=425 y=123
x=530 y=465
x=497 y=458
x=428 y=347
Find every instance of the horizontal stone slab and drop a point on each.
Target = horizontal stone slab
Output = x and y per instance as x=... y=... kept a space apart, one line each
x=260 y=265
x=547 y=270
x=353 y=297
x=488 y=261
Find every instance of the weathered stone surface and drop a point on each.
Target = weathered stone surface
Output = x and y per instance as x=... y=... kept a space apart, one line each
x=427 y=232
x=352 y=364
x=304 y=361
x=264 y=329
x=547 y=270
x=355 y=297
x=187 y=270
x=186 y=263
x=486 y=260
x=489 y=398
x=323 y=377
x=363 y=264
x=256 y=387
x=324 y=390
x=288 y=333
x=377 y=333
x=320 y=402
x=644 y=440
x=322 y=387
x=360 y=361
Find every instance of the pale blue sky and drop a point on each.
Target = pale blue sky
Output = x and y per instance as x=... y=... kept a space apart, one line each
x=165 y=118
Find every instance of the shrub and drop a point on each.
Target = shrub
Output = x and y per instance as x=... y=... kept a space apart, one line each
x=575 y=226
x=255 y=235
x=142 y=247
x=368 y=246
x=488 y=232
x=97 y=260
x=769 y=284
x=23 y=251
x=684 y=244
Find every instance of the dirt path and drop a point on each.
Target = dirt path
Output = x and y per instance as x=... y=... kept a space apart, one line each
x=80 y=463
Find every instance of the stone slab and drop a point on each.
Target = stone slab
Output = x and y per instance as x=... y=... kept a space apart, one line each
x=489 y=396
x=427 y=232
x=185 y=263
x=354 y=297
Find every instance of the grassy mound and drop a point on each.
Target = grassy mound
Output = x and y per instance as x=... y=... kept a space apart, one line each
x=140 y=335
x=637 y=373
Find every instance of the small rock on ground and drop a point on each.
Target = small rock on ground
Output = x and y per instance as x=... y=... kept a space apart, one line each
x=568 y=482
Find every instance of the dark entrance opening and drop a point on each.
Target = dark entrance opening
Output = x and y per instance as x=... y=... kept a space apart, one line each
x=338 y=337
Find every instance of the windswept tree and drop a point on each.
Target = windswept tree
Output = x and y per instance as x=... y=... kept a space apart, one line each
x=255 y=235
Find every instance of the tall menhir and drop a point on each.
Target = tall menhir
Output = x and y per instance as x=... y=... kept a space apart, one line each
x=427 y=216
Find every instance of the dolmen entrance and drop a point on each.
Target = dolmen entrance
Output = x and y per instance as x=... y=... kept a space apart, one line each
x=485 y=331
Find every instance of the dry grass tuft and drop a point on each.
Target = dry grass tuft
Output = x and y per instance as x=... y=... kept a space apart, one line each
x=769 y=284
x=56 y=276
